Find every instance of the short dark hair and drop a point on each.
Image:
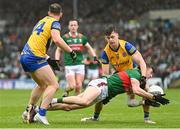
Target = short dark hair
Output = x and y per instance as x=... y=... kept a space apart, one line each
x=74 y=19
x=148 y=65
x=55 y=8
x=110 y=29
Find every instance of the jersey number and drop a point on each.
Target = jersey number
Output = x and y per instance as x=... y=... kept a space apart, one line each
x=39 y=28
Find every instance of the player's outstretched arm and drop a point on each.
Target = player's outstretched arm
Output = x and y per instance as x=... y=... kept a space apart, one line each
x=138 y=91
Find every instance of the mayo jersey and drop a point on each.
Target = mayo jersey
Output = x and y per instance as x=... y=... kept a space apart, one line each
x=40 y=38
x=120 y=59
x=77 y=44
x=121 y=82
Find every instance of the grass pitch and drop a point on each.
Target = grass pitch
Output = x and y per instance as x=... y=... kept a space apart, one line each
x=114 y=115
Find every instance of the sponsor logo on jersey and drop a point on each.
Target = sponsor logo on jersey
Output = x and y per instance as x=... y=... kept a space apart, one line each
x=69 y=41
x=76 y=47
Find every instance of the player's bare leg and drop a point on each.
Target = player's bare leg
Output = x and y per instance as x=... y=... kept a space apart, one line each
x=89 y=95
x=97 y=111
x=35 y=95
x=79 y=81
x=65 y=107
x=71 y=82
x=147 y=120
x=49 y=81
x=132 y=102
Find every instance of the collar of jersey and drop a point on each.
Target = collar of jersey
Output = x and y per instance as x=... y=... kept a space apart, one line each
x=71 y=34
x=116 y=49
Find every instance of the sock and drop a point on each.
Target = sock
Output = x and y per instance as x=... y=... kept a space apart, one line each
x=146 y=115
x=27 y=108
x=54 y=100
x=42 y=111
x=96 y=115
x=37 y=108
x=60 y=100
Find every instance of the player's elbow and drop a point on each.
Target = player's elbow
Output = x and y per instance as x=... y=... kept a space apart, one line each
x=56 y=40
x=67 y=109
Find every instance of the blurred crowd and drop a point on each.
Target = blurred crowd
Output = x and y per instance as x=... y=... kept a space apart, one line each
x=159 y=42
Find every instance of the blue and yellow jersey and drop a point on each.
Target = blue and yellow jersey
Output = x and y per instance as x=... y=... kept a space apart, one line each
x=121 y=59
x=40 y=39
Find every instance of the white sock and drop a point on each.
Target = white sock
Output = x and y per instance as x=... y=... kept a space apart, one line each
x=54 y=100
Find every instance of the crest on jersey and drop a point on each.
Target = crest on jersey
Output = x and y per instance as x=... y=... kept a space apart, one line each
x=124 y=54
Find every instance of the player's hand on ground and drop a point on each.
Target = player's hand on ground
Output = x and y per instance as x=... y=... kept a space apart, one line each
x=160 y=99
x=54 y=64
x=73 y=55
x=151 y=103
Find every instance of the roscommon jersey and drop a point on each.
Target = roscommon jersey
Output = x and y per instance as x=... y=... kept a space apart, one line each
x=40 y=39
x=121 y=58
x=77 y=44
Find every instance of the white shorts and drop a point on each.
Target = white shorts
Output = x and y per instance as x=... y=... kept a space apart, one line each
x=76 y=69
x=101 y=85
x=92 y=73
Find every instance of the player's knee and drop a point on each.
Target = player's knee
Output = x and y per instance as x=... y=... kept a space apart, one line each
x=71 y=87
x=78 y=87
x=133 y=103
x=56 y=86
x=79 y=84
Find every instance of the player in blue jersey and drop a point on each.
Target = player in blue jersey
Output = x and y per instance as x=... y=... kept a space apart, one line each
x=33 y=60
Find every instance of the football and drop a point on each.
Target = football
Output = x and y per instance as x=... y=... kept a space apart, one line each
x=155 y=89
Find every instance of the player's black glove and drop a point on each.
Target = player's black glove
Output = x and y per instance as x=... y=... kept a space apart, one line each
x=143 y=82
x=96 y=60
x=73 y=55
x=151 y=103
x=160 y=99
x=54 y=64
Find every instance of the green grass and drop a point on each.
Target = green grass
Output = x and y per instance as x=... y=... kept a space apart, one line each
x=115 y=115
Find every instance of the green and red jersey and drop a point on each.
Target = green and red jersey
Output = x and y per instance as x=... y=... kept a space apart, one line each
x=77 y=44
x=120 y=82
